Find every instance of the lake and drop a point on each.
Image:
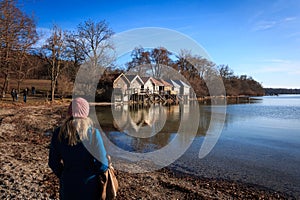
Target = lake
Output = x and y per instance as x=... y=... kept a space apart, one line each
x=255 y=141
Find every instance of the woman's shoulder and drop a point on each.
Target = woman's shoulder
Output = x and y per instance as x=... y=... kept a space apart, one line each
x=93 y=130
x=95 y=133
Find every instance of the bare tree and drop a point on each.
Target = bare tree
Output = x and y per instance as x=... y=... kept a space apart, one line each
x=160 y=57
x=225 y=72
x=26 y=63
x=154 y=61
x=140 y=59
x=74 y=53
x=28 y=38
x=95 y=44
x=195 y=64
x=17 y=35
x=73 y=48
x=54 y=52
x=93 y=39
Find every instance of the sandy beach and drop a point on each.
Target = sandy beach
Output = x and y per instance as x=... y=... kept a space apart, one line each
x=25 y=133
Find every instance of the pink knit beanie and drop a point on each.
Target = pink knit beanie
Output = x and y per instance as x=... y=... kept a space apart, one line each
x=79 y=107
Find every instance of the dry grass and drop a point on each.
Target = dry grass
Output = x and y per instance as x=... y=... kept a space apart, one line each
x=39 y=84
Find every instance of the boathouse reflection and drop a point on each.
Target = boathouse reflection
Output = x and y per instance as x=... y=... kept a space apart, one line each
x=145 y=129
x=140 y=122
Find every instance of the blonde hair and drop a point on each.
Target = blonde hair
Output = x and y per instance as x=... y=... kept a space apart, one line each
x=75 y=130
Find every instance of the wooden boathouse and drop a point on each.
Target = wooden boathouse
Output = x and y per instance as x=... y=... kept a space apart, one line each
x=136 y=89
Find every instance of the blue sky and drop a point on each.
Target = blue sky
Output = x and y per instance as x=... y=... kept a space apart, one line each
x=259 y=38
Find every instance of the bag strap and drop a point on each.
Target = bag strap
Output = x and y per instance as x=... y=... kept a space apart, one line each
x=109 y=161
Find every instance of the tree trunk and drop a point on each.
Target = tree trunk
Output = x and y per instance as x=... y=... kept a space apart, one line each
x=6 y=82
x=52 y=90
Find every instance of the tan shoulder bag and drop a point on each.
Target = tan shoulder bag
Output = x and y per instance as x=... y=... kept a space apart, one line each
x=110 y=185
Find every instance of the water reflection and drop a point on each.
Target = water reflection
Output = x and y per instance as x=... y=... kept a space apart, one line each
x=145 y=129
x=141 y=122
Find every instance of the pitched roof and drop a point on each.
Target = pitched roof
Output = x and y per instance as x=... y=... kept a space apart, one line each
x=130 y=77
x=181 y=83
x=120 y=76
x=156 y=82
x=145 y=79
x=165 y=83
x=173 y=83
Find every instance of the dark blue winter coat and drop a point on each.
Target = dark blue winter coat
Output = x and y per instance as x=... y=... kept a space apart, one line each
x=76 y=168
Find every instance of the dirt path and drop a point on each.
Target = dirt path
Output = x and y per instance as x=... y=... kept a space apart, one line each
x=25 y=133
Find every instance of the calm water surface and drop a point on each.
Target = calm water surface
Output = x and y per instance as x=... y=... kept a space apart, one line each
x=259 y=143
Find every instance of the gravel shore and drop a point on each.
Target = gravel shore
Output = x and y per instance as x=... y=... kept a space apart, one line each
x=25 y=133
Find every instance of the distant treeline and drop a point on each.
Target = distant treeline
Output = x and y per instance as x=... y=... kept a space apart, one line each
x=276 y=91
x=196 y=69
